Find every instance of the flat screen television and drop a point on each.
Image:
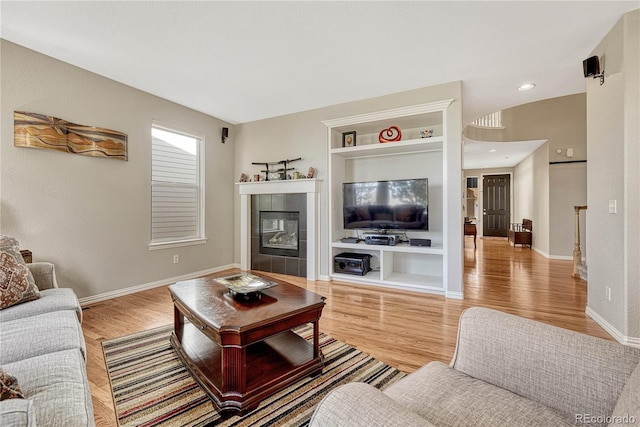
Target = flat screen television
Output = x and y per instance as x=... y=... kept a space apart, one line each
x=386 y=205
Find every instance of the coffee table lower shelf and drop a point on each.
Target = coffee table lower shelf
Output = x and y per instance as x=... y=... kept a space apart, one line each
x=237 y=378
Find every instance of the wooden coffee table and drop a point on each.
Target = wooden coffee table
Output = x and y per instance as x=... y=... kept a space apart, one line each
x=241 y=352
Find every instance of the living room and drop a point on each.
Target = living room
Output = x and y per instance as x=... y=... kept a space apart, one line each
x=91 y=217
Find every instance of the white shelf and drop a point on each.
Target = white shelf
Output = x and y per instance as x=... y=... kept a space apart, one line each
x=372 y=277
x=389 y=148
x=401 y=247
x=417 y=280
x=409 y=282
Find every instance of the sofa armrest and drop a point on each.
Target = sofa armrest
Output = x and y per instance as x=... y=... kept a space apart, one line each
x=565 y=370
x=17 y=413
x=359 y=404
x=44 y=274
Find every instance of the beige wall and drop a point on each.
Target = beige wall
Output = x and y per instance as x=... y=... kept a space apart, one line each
x=531 y=195
x=541 y=189
x=566 y=189
x=91 y=216
x=303 y=135
x=613 y=140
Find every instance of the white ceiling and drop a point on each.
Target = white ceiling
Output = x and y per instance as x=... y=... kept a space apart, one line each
x=482 y=154
x=244 y=61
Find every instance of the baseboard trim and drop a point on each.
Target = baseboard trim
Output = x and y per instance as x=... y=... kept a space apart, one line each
x=324 y=278
x=558 y=257
x=561 y=257
x=454 y=295
x=544 y=254
x=611 y=330
x=145 y=286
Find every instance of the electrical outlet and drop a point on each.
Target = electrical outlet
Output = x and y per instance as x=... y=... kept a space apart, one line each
x=608 y=293
x=176 y=259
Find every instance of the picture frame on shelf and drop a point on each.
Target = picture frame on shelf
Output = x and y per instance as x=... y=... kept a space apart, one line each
x=349 y=139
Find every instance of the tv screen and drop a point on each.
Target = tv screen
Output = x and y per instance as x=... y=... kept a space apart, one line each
x=386 y=205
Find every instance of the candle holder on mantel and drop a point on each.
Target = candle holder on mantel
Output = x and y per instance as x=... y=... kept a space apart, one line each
x=282 y=170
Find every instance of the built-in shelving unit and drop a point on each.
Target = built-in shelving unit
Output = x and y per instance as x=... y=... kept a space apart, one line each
x=402 y=147
x=401 y=266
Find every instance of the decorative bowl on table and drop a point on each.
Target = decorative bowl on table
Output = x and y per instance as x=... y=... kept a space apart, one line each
x=245 y=285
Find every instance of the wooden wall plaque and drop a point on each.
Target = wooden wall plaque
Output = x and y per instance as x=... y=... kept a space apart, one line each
x=42 y=131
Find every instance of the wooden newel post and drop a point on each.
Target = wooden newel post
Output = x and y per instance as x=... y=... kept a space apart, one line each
x=577 y=253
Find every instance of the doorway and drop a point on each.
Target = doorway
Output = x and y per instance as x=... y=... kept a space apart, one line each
x=496 y=204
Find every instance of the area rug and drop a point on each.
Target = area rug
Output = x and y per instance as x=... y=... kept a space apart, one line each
x=151 y=387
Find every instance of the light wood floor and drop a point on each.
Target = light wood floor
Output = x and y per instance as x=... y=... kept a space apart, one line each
x=404 y=329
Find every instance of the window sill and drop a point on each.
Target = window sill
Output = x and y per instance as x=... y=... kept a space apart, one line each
x=176 y=244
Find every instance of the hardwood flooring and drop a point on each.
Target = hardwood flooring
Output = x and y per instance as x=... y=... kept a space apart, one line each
x=404 y=329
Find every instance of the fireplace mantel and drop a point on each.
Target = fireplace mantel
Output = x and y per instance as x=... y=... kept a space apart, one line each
x=279 y=187
x=309 y=186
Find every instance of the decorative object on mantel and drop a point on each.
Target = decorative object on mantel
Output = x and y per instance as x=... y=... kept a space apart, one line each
x=42 y=131
x=427 y=133
x=280 y=172
x=311 y=172
x=256 y=177
x=244 y=177
x=349 y=139
x=391 y=134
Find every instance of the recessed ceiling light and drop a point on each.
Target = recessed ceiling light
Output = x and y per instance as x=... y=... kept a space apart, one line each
x=493 y=150
x=526 y=86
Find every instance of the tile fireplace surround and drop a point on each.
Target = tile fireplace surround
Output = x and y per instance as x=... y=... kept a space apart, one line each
x=310 y=187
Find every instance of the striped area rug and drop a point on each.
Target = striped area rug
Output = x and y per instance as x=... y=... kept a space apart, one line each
x=151 y=387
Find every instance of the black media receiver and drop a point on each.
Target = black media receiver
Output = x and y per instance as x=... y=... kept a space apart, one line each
x=419 y=242
x=352 y=263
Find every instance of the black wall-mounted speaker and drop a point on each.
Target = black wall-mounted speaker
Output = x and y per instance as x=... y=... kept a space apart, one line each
x=225 y=134
x=591 y=66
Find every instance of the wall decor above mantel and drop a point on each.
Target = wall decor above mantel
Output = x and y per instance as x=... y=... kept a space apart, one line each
x=41 y=131
x=281 y=172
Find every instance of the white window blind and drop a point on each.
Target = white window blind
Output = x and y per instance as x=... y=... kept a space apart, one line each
x=176 y=209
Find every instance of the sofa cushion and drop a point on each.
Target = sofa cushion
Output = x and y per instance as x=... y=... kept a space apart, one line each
x=446 y=397
x=628 y=406
x=571 y=372
x=16 y=282
x=38 y=335
x=51 y=300
x=9 y=387
x=57 y=384
x=361 y=404
x=17 y=413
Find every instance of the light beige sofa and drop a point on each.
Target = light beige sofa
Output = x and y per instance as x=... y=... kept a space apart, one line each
x=506 y=371
x=42 y=346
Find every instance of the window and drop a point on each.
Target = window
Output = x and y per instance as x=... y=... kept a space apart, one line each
x=472 y=198
x=177 y=207
x=490 y=121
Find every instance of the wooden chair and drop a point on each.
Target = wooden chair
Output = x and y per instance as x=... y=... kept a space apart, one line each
x=521 y=234
x=471 y=230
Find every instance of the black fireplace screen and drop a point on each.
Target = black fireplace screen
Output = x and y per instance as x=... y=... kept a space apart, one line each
x=279 y=233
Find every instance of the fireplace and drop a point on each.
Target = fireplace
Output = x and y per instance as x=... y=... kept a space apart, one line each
x=279 y=233
x=301 y=195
